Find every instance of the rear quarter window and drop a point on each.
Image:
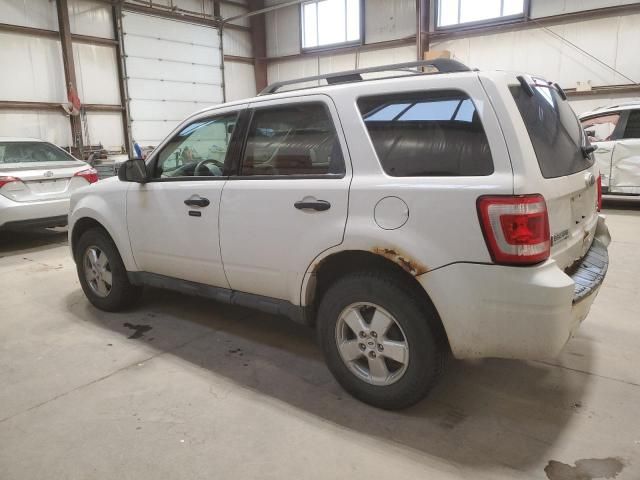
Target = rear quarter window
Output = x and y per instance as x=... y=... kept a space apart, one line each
x=427 y=134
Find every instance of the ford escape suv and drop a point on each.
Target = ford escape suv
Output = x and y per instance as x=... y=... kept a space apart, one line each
x=405 y=217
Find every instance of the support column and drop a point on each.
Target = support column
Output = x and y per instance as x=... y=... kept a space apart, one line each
x=423 y=11
x=259 y=41
x=116 y=13
x=69 y=70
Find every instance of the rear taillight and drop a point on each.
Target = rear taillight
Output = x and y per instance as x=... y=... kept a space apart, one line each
x=516 y=228
x=5 y=180
x=599 y=200
x=90 y=175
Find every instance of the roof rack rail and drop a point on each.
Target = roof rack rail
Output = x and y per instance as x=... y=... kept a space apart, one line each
x=443 y=65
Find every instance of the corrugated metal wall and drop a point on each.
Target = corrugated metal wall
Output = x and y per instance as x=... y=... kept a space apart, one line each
x=37 y=74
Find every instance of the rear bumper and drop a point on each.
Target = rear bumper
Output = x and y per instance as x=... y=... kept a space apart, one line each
x=516 y=312
x=33 y=214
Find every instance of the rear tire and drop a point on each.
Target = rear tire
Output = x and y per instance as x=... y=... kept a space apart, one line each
x=404 y=350
x=102 y=274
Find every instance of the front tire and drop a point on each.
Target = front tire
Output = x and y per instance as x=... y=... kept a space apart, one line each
x=380 y=341
x=102 y=274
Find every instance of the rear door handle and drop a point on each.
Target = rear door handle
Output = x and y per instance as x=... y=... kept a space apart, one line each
x=197 y=202
x=319 y=205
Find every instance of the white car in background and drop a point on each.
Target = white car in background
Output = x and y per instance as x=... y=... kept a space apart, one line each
x=615 y=131
x=37 y=179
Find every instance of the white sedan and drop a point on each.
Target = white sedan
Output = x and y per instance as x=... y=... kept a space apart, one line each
x=37 y=179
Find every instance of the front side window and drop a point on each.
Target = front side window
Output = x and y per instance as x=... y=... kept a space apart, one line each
x=601 y=128
x=198 y=150
x=297 y=139
x=31 y=152
x=460 y=12
x=330 y=22
x=427 y=134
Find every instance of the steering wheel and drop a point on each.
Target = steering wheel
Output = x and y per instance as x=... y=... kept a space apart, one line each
x=216 y=171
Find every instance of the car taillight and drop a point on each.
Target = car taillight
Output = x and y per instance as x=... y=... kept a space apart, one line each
x=5 y=180
x=599 y=200
x=90 y=175
x=516 y=228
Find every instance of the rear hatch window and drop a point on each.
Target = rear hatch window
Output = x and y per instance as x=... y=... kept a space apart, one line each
x=554 y=129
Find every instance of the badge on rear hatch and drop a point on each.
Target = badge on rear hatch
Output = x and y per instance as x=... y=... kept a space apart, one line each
x=560 y=236
x=48 y=173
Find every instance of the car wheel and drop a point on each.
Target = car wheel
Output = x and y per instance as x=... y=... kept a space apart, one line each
x=380 y=342
x=102 y=274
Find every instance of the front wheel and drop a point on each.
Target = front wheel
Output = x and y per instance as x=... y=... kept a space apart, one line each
x=380 y=342
x=102 y=274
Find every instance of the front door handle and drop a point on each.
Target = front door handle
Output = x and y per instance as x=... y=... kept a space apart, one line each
x=197 y=202
x=319 y=205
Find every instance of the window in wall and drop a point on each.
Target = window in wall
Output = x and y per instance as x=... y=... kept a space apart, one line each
x=330 y=22
x=297 y=139
x=456 y=12
x=427 y=134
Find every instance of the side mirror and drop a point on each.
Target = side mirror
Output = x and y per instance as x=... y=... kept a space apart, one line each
x=134 y=170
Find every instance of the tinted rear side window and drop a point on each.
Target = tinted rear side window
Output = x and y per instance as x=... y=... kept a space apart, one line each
x=424 y=134
x=554 y=129
x=297 y=139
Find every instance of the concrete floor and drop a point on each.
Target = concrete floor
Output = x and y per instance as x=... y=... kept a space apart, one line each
x=186 y=388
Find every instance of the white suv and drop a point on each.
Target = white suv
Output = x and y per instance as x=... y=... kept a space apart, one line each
x=403 y=217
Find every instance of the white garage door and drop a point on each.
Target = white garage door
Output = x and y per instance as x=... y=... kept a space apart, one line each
x=173 y=70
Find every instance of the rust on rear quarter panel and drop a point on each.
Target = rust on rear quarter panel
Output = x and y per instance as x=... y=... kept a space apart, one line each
x=408 y=264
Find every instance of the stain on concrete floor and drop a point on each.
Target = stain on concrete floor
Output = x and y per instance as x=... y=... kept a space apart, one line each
x=138 y=330
x=585 y=469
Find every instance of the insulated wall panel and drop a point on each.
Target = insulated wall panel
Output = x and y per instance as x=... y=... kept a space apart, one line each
x=51 y=126
x=173 y=69
x=29 y=13
x=237 y=42
x=549 y=51
x=239 y=80
x=32 y=69
x=385 y=20
x=228 y=10
x=283 y=31
x=97 y=73
x=105 y=128
x=90 y=17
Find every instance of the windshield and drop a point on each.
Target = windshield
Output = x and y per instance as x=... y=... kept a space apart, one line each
x=554 y=129
x=31 y=152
